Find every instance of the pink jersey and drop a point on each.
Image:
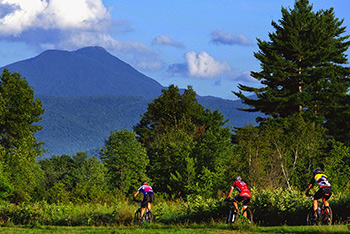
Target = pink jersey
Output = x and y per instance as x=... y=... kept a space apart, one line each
x=146 y=189
x=242 y=188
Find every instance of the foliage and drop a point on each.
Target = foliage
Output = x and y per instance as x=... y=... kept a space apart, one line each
x=278 y=154
x=18 y=146
x=185 y=143
x=337 y=166
x=65 y=214
x=126 y=161
x=270 y=208
x=302 y=68
x=77 y=179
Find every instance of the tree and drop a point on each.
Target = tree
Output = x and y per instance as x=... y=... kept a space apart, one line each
x=76 y=178
x=185 y=143
x=19 y=111
x=18 y=117
x=302 y=66
x=279 y=154
x=125 y=159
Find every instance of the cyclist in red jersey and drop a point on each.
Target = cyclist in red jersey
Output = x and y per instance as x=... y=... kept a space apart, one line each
x=244 y=193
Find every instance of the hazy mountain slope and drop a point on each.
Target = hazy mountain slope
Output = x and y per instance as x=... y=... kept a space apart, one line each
x=73 y=124
x=88 y=93
x=81 y=123
x=229 y=109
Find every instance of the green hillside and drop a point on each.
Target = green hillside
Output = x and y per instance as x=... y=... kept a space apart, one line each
x=74 y=124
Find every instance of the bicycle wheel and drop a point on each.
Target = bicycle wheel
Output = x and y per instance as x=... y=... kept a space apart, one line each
x=231 y=218
x=247 y=217
x=327 y=216
x=149 y=217
x=310 y=220
x=137 y=217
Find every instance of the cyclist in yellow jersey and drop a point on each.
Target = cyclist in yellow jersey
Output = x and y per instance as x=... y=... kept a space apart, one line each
x=324 y=192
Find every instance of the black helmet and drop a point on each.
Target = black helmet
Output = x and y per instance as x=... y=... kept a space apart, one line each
x=143 y=182
x=317 y=170
x=237 y=178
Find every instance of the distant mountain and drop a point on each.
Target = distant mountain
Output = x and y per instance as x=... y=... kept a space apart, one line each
x=74 y=124
x=86 y=72
x=88 y=93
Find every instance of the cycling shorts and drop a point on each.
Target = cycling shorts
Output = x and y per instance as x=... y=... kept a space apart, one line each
x=243 y=199
x=324 y=192
x=149 y=197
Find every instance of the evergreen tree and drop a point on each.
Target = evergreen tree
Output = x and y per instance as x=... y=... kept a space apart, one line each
x=302 y=66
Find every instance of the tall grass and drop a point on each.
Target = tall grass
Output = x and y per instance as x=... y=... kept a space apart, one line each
x=270 y=208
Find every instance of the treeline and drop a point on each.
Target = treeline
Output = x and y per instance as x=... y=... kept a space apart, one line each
x=185 y=150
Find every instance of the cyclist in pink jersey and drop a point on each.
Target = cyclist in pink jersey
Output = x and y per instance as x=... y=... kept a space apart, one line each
x=148 y=197
x=244 y=193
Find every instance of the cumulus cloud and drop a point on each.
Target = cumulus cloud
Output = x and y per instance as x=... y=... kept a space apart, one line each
x=62 y=24
x=200 y=65
x=53 y=14
x=221 y=37
x=165 y=40
x=245 y=77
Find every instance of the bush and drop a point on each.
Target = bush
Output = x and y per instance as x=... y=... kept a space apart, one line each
x=270 y=208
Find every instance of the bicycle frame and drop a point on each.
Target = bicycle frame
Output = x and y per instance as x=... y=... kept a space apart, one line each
x=245 y=215
x=324 y=215
x=147 y=216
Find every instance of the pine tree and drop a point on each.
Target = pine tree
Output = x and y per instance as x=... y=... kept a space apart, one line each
x=302 y=66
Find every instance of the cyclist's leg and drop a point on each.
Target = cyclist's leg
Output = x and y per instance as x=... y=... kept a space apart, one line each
x=234 y=201
x=318 y=195
x=144 y=205
x=315 y=205
x=327 y=193
x=150 y=200
x=246 y=202
x=142 y=212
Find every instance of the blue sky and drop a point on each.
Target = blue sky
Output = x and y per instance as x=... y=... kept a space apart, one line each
x=208 y=44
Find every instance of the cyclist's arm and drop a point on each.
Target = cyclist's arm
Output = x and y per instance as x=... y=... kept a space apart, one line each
x=311 y=184
x=135 y=194
x=229 y=194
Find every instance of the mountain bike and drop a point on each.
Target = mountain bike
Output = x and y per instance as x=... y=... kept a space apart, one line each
x=243 y=215
x=324 y=214
x=147 y=216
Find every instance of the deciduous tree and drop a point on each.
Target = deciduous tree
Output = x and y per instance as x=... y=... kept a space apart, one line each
x=20 y=112
x=125 y=159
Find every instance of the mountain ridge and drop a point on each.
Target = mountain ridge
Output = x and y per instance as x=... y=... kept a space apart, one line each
x=88 y=93
x=84 y=72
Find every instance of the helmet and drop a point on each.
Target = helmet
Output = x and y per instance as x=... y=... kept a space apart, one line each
x=317 y=170
x=237 y=178
x=143 y=182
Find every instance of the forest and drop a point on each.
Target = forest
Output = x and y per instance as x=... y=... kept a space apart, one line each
x=187 y=153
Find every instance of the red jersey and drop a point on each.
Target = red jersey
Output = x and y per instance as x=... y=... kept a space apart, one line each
x=242 y=188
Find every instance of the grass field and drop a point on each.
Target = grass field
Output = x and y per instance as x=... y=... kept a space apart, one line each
x=179 y=229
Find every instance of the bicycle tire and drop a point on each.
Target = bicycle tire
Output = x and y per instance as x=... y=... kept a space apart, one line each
x=310 y=217
x=327 y=217
x=149 y=217
x=246 y=219
x=231 y=218
x=137 y=217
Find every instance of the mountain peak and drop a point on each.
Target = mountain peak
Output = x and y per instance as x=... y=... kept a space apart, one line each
x=92 y=48
x=89 y=71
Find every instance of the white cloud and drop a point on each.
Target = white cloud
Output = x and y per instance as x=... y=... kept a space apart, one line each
x=221 y=37
x=165 y=40
x=205 y=66
x=53 y=14
x=62 y=24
